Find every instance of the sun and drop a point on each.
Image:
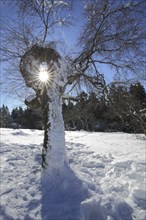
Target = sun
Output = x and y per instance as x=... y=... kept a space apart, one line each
x=43 y=72
x=43 y=76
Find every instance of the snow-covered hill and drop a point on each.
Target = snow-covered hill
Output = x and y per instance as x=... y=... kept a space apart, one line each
x=107 y=179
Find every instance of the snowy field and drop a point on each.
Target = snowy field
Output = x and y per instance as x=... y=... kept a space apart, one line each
x=107 y=179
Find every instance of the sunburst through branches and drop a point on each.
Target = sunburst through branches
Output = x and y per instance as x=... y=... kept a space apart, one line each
x=45 y=74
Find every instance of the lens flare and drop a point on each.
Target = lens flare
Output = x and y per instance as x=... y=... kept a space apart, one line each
x=43 y=76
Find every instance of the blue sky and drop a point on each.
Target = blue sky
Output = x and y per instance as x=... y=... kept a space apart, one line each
x=67 y=34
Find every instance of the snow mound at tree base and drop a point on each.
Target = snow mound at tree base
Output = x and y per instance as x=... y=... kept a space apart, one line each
x=62 y=195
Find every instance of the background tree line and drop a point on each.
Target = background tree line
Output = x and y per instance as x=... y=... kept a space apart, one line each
x=121 y=108
x=20 y=118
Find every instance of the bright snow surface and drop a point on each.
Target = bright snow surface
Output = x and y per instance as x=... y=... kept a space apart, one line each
x=105 y=181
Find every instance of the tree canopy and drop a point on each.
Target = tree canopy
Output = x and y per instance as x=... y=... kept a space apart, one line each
x=112 y=34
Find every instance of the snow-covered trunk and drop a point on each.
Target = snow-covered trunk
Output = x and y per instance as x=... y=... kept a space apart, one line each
x=54 y=150
x=46 y=72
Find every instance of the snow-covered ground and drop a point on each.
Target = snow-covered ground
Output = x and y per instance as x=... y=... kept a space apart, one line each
x=107 y=179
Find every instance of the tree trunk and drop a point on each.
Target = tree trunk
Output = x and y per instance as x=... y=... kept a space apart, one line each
x=54 y=151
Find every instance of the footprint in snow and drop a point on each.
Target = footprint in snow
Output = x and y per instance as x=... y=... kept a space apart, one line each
x=139 y=197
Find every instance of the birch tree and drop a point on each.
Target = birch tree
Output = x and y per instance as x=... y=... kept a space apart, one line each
x=113 y=34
